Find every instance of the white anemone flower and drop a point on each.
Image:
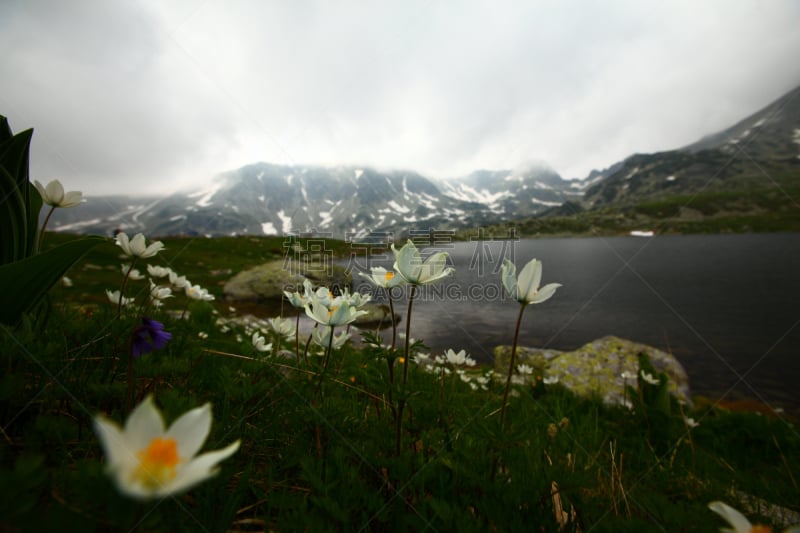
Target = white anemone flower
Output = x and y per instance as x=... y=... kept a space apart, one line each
x=460 y=358
x=53 y=194
x=322 y=337
x=157 y=292
x=114 y=298
x=158 y=271
x=146 y=460
x=524 y=369
x=298 y=299
x=137 y=247
x=259 y=343
x=381 y=277
x=282 y=326
x=355 y=299
x=552 y=380
x=652 y=380
x=691 y=422
x=134 y=274
x=179 y=282
x=739 y=522
x=525 y=289
x=335 y=313
x=408 y=263
x=196 y=292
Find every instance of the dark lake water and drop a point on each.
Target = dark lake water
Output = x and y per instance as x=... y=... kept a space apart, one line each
x=725 y=305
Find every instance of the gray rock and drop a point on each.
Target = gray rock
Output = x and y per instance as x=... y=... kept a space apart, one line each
x=596 y=368
x=268 y=281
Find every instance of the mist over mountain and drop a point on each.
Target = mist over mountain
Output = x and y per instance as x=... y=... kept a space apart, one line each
x=345 y=201
x=760 y=151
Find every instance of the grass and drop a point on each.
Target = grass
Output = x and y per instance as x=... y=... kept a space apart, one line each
x=326 y=461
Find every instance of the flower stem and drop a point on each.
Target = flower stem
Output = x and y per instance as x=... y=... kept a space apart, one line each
x=44 y=225
x=122 y=288
x=408 y=334
x=511 y=367
x=401 y=402
x=327 y=359
x=297 y=338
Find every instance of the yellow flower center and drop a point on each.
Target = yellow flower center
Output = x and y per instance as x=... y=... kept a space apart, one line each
x=331 y=310
x=157 y=462
x=389 y=276
x=757 y=528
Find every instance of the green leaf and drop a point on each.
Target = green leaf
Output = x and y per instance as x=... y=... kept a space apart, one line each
x=34 y=208
x=12 y=219
x=24 y=283
x=14 y=153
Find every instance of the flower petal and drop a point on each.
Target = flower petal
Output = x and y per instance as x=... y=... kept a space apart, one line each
x=191 y=431
x=115 y=448
x=124 y=243
x=528 y=280
x=198 y=469
x=545 y=293
x=143 y=424
x=732 y=516
x=138 y=245
x=509 y=277
x=55 y=192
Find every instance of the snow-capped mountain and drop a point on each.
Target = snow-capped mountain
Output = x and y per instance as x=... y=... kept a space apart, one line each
x=762 y=150
x=267 y=199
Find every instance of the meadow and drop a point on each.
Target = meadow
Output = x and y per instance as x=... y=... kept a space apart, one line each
x=321 y=448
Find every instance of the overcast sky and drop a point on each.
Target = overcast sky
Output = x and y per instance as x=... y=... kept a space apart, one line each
x=154 y=95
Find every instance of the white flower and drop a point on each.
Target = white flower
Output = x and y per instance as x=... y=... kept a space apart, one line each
x=383 y=278
x=298 y=299
x=158 y=292
x=147 y=461
x=408 y=263
x=525 y=289
x=282 y=326
x=113 y=297
x=460 y=358
x=158 y=271
x=336 y=312
x=53 y=194
x=179 y=282
x=67 y=282
x=196 y=292
x=202 y=334
x=322 y=337
x=134 y=274
x=739 y=522
x=137 y=247
x=627 y=375
x=649 y=378
x=356 y=299
x=691 y=422
x=259 y=343
x=525 y=369
x=552 y=380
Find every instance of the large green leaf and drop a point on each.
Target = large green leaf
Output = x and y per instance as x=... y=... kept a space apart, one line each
x=13 y=219
x=14 y=155
x=34 y=207
x=24 y=283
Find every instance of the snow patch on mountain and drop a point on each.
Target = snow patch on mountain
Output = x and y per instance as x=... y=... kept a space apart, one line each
x=286 y=222
x=207 y=194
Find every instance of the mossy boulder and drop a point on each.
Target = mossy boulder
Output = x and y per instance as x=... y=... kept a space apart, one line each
x=268 y=281
x=596 y=368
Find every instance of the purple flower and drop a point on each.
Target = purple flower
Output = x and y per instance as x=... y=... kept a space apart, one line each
x=148 y=337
